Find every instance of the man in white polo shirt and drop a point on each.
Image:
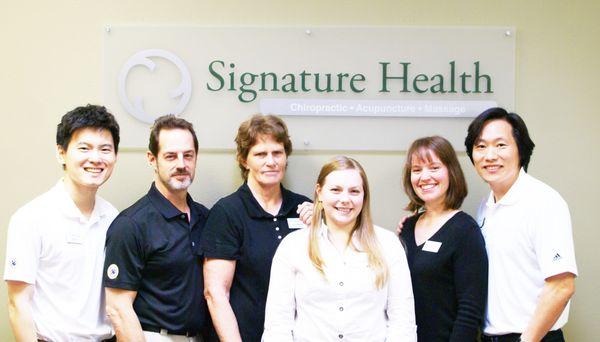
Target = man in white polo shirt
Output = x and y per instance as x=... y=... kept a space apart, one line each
x=55 y=244
x=527 y=229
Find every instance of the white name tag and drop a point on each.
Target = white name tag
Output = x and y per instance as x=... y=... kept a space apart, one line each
x=432 y=246
x=295 y=223
x=75 y=237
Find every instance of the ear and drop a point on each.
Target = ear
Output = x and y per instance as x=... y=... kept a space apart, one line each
x=318 y=192
x=151 y=160
x=60 y=155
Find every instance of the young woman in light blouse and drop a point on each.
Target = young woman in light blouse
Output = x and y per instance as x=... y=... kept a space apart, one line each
x=342 y=279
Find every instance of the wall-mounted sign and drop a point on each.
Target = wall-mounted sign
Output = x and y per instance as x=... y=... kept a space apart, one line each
x=339 y=88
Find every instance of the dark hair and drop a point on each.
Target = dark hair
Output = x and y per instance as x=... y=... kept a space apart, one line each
x=255 y=128
x=423 y=149
x=169 y=121
x=85 y=117
x=519 y=130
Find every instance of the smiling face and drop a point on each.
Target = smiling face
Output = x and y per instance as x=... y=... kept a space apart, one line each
x=496 y=156
x=429 y=179
x=89 y=158
x=342 y=196
x=266 y=163
x=175 y=163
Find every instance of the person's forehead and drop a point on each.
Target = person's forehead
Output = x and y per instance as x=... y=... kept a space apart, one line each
x=266 y=141
x=348 y=177
x=496 y=129
x=175 y=140
x=92 y=135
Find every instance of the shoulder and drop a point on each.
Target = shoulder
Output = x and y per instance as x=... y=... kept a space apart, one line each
x=229 y=202
x=203 y=210
x=464 y=221
x=295 y=241
x=36 y=209
x=106 y=207
x=541 y=193
x=387 y=239
x=295 y=197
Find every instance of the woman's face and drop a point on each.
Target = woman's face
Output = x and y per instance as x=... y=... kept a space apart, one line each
x=429 y=179
x=342 y=195
x=266 y=162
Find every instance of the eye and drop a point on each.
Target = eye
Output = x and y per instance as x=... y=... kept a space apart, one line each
x=355 y=191
x=261 y=154
x=501 y=145
x=189 y=155
x=415 y=170
x=106 y=150
x=83 y=148
x=169 y=156
x=479 y=146
x=335 y=190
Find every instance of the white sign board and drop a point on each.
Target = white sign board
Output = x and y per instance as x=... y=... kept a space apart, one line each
x=338 y=88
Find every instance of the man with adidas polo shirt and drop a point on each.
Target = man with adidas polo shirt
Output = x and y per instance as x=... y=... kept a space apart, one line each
x=55 y=243
x=527 y=230
x=153 y=270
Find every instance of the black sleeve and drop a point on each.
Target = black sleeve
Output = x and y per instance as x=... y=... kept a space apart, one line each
x=222 y=237
x=125 y=257
x=470 y=280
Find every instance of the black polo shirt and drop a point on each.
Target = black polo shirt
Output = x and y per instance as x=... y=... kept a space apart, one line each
x=239 y=229
x=151 y=248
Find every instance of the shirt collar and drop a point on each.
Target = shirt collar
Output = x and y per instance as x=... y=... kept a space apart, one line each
x=70 y=209
x=256 y=211
x=513 y=194
x=322 y=232
x=167 y=209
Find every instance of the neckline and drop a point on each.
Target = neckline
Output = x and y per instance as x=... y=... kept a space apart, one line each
x=443 y=227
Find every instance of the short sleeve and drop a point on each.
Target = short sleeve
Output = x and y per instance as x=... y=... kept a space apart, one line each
x=221 y=238
x=23 y=249
x=125 y=257
x=553 y=238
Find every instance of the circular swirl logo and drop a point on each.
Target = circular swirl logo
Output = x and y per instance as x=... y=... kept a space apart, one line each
x=143 y=58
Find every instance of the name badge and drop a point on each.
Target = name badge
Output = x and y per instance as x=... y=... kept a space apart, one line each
x=295 y=223
x=432 y=246
x=75 y=238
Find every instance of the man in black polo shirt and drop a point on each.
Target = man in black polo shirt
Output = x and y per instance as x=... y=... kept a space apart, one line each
x=152 y=273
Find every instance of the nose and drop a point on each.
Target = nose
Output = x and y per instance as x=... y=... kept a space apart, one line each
x=94 y=155
x=425 y=174
x=490 y=153
x=180 y=161
x=270 y=160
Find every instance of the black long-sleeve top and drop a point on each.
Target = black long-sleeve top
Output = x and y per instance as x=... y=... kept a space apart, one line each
x=450 y=285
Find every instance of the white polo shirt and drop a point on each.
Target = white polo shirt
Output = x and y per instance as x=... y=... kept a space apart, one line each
x=346 y=306
x=52 y=246
x=528 y=239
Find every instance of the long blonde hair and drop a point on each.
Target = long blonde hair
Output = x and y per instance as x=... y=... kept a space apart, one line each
x=363 y=229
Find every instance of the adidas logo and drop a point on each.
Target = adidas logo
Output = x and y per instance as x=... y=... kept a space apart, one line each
x=556 y=257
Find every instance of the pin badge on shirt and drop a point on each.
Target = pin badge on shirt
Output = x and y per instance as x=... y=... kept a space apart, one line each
x=432 y=246
x=295 y=223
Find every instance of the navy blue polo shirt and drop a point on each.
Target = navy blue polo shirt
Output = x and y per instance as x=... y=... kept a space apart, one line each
x=152 y=248
x=239 y=229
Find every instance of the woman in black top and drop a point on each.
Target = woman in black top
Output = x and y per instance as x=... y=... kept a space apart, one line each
x=244 y=229
x=445 y=248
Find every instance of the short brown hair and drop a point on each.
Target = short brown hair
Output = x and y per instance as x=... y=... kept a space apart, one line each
x=423 y=149
x=169 y=122
x=255 y=128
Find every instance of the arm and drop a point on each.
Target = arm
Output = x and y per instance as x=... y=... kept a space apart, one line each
x=218 y=275
x=119 y=308
x=470 y=272
x=555 y=295
x=280 y=310
x=400 y=303
x=19 y=310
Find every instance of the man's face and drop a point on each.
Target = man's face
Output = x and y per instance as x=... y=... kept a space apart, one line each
x=175 y=164
x=89 y=158
x=496 y=156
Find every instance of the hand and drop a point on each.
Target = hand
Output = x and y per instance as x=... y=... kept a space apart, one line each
x=401 y=224
x=305 y=212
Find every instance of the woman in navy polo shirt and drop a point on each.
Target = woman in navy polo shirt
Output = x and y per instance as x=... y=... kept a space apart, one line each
x=244 y=229
x=445 y=248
